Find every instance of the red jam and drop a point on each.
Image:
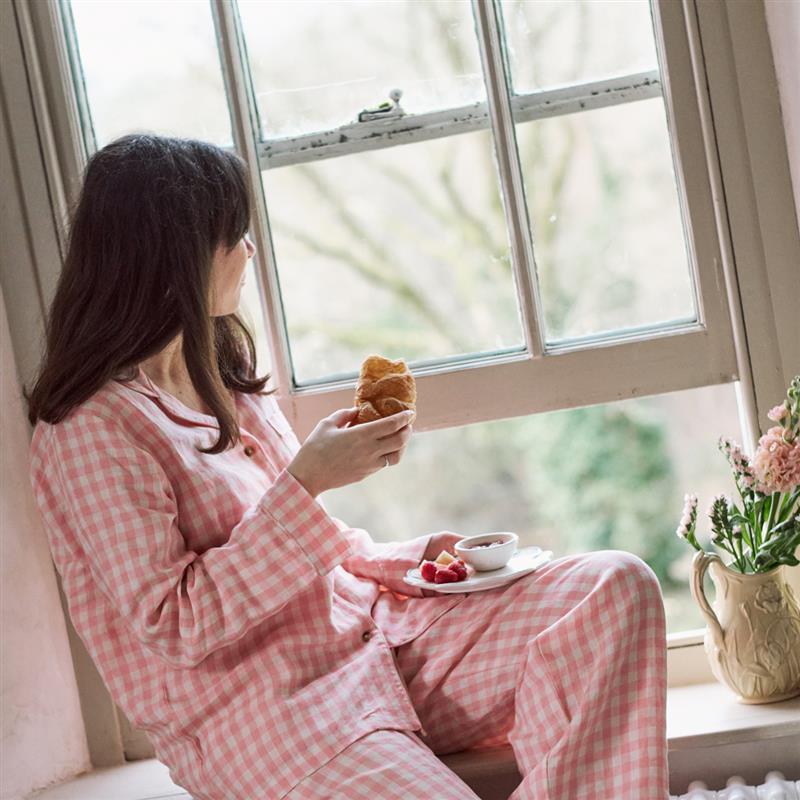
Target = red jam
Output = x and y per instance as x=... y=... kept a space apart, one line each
x=486 y=544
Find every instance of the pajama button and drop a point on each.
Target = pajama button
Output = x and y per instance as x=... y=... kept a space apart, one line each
x=366 y=636
x=248 y=451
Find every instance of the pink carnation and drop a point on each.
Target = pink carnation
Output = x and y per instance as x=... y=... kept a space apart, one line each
x=778 y=413
x=776 y=463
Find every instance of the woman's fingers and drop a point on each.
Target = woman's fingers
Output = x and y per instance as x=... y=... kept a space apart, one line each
x=390 y=459
x=386 y=426
x=389 y=444
x=342 y=416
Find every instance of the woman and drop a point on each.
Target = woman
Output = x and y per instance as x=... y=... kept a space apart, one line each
x=269 y=649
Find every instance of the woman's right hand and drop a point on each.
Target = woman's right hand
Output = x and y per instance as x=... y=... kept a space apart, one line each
x=335 y=455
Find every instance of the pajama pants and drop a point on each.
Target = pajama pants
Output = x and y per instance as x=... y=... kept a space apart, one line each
x=566 y=664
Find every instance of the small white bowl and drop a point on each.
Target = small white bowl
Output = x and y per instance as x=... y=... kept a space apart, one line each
x=487 y=558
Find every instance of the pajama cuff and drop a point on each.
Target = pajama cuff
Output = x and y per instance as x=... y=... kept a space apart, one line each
x=306 y=522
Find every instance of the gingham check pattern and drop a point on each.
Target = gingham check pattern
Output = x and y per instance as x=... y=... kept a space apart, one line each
x=568 y=664
x=227 y=612
x=384 y=765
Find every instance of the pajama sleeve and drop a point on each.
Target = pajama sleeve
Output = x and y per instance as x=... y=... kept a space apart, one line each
x=119 y=506
x=384 y=562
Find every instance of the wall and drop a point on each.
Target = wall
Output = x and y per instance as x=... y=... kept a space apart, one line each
x=43 y=738
x=783 y=24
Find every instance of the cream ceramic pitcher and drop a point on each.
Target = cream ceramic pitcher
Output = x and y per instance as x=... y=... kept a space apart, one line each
x=753 y=634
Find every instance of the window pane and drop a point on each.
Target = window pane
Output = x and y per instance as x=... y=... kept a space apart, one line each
x=250 y=311
x=401 y=251
x=563 y=42
x=315 y=65
x=152 y=67
x=608 y=241
x=605 y=477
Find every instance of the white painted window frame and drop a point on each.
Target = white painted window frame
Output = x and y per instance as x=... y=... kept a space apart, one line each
x=744 y=161
x=537 y=376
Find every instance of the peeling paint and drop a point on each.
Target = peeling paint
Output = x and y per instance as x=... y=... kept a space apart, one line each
x=358 y=137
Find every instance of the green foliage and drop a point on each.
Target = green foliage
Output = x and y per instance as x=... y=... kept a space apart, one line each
x=606 y=482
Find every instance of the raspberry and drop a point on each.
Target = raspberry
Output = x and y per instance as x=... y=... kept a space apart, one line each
x=459 y=570
x=428 y=571
x=445 y=576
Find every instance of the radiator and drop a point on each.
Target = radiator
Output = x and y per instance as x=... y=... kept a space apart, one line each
x=775 y=787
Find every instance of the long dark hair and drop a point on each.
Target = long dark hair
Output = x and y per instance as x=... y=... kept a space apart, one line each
x=151 y=213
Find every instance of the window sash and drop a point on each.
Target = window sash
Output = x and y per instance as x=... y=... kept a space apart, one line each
x=575 y=372
x=360 y=137
x=501 y=387
x=594 y=369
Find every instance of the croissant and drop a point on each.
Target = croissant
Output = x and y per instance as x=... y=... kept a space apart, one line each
x=384 y=388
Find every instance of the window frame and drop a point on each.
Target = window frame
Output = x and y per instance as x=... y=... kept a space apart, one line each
x=544 y=377
x=540 y=377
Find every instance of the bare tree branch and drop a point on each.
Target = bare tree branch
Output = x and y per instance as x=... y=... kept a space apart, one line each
x=377 y=277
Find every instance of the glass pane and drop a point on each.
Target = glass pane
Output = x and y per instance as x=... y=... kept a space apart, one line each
x=554 y=43
x=606 y=477
x=250 y=311
x=152 y=67
x=401 y=251
x=316 y=64
x=608 y=241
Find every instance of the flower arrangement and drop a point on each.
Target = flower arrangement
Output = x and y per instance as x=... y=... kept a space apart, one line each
x=763 y=530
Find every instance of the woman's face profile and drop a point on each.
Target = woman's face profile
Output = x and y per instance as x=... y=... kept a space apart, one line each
x=227 y=276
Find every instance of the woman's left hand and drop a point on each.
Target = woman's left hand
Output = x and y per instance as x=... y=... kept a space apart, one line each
x=438 y=542
x=441 y=541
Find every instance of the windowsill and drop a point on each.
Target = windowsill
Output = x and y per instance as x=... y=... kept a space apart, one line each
x=700 y=716
x=708 y=715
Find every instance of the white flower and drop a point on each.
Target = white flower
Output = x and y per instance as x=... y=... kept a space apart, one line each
x=689 y=511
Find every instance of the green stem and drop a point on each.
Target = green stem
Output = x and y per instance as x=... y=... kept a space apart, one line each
x=773 y=500
x=739 y=555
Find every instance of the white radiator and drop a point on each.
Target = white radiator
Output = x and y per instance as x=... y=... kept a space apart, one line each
x=775 y=787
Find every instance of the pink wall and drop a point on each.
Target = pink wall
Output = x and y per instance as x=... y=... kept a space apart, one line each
x=43 y=739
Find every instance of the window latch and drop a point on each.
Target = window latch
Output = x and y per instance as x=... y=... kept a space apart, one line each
x=384 y=110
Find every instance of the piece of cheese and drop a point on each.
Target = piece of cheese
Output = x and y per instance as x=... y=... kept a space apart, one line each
x=444 y=558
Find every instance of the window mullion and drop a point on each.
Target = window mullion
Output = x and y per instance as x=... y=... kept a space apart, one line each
x=244 y=124
x=510 y=172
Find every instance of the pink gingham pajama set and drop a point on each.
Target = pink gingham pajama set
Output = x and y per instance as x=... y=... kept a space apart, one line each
x=271 y=651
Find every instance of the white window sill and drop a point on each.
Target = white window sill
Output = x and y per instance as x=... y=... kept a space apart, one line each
x=701 y=719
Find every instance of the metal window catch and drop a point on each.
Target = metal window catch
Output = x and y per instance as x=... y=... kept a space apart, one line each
x=385 y=109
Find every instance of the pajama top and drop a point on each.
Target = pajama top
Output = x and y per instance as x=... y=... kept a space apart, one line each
x=231 y=617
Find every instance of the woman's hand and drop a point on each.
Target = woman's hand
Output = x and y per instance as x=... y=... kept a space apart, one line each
x=438 y=542
x=336 y=455
x=441 y=541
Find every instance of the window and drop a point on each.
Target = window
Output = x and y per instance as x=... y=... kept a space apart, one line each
x=524 y=228
x=528 y=223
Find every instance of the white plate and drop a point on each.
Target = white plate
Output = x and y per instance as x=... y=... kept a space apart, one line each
x=521 y=563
